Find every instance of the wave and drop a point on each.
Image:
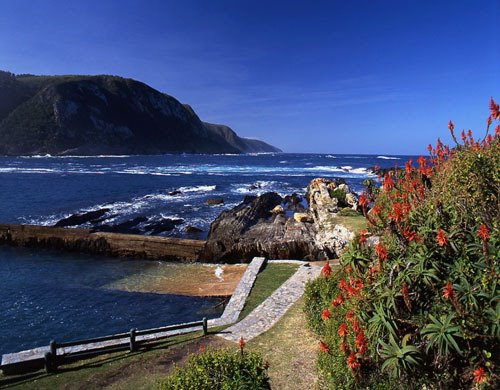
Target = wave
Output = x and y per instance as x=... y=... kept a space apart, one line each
x=388 y=158
x=330 y=156
x=83 y=157
x=197 y=189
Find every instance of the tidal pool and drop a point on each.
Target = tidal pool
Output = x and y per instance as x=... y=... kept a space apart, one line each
x=48 y=295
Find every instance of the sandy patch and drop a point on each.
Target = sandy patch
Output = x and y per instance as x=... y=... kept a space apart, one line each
x=184 y=279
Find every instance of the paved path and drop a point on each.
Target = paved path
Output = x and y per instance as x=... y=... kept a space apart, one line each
x=240 y=294
x=271 y=310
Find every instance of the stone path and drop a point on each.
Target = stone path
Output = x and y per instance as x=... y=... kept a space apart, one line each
x=240 y=294
x=271 y=310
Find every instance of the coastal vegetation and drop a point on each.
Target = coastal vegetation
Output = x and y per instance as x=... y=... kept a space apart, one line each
x=222 y=369
x=415 y=302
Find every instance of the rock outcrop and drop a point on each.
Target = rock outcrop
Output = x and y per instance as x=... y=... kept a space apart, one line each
x=93 y=115
x=282 y=228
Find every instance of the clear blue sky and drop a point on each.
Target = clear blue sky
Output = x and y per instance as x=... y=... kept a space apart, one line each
x=308 y=76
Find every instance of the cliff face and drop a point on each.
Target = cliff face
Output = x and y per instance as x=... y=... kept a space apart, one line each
x=89 y=115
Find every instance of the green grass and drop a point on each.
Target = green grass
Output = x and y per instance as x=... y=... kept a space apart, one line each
x=290 y=348
x=267 y=281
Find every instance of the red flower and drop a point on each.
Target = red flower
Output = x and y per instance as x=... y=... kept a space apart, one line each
x=408 y=167
x=409 y=235
x=355 y=325
x=380 y=251
x=397 y=212
x=406 y=297
x=342 y=346
x=448 y=291
x=363 y=200
x=462 y=136
x=494 y=108
x=362 y=236
x=451 y=126
x=441 y=238
x=200 y=348
x=352 y=362
x=376 y=209
x=326 y=270
x=323 y=347
x=483 y=233
x=387 y=182
x=479 y=375
x=342 y=331
x=325 y=314
x=361 y=343
x=429 y=148
x=349 y=315
x=337 y=301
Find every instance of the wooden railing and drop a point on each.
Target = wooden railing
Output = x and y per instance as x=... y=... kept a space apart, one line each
x=81 y=349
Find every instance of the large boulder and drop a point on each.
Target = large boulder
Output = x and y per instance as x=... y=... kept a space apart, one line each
x=301 y=230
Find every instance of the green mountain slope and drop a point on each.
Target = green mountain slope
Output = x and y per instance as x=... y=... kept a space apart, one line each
x=91 y=115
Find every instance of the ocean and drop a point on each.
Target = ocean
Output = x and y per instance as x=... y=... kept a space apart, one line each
x=46 y=294
x=42 y=190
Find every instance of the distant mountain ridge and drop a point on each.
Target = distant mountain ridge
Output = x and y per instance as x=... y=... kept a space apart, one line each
x=94 y=115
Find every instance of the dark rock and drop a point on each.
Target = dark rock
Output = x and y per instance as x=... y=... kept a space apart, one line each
x=173 y=193
x=127 y=227
x=192 y=230
x=163 y=225
x=80 y=219
x=214 y=201
x=249 y=199
x=251 y=229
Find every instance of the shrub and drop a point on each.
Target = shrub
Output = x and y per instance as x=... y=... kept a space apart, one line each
x=419 y=300
x=219 y=369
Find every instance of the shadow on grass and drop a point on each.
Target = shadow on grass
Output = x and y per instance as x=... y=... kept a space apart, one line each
x=20 y=379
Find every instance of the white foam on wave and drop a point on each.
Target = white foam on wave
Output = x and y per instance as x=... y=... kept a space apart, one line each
x=258 y=187
x=83 y=157
x=30 y=170
x=197 y=189
x=388 y=158
x=345 y=169
x=330 y=156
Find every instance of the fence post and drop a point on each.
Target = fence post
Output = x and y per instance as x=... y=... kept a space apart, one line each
x=132 y=340
x=205 y=326
x=48 y=362
x=53 y=352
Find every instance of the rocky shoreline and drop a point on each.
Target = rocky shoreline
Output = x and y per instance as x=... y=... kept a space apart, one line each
x=311 y=227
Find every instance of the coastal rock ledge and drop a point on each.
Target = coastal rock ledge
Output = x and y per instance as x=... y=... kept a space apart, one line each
x=292 y=227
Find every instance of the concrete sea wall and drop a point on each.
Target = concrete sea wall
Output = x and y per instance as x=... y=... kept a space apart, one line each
x=108 y=244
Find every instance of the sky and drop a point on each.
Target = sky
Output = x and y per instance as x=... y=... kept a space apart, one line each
x=374 y=76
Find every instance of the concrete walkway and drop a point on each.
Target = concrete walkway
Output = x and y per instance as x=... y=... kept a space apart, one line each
x=273 y=308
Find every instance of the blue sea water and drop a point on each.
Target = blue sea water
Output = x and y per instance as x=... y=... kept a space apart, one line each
x=48 y=294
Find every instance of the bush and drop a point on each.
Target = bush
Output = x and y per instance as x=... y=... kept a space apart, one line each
x=219 y=369
x=416 y=302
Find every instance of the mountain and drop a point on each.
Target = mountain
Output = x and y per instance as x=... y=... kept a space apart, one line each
x=92 y=115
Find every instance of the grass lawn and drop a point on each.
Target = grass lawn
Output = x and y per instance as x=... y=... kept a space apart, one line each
x=290 y=348
x=267 y=281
